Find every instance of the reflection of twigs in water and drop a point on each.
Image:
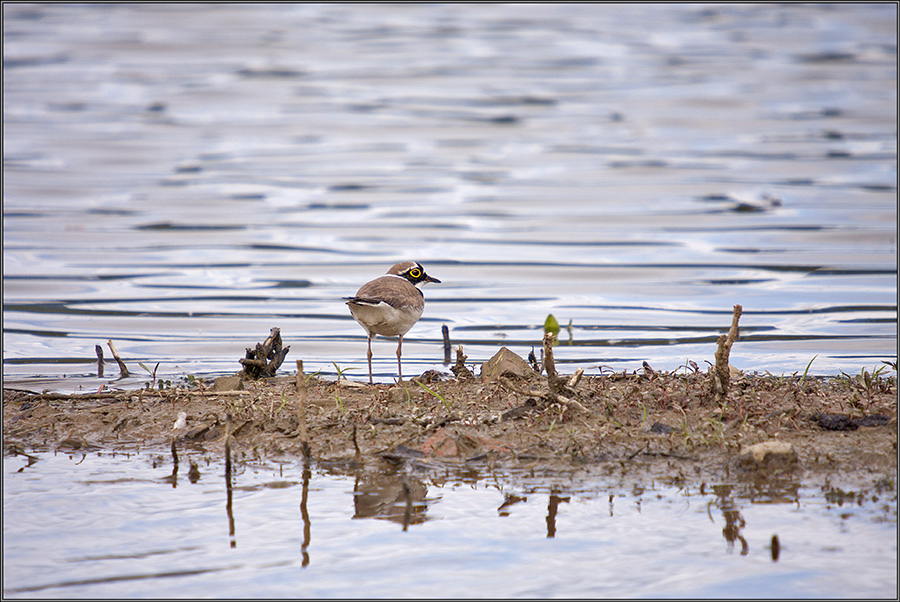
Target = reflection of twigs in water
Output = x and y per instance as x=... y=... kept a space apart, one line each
x=400 y=499
x=305 y=514
x=174 y=476
x=551 y=513
x=734 y=522
x=407 y=513
x=228 y=426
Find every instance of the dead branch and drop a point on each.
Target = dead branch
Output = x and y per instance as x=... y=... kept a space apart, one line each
x=571 y=402
x=549 y=365
x=559 y=385
x=99 y=351
x=445 y=332
x=79 y=396
x=123 y=369
x=264 y=360
x=511 y=386
x=575 y=379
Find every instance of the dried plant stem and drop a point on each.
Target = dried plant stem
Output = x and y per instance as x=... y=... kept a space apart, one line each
x=301 y=410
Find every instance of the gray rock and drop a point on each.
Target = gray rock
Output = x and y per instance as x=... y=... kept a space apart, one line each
x=228 y=383
x=505 y=363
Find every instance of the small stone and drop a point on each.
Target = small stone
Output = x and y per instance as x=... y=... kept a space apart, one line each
x=505 y=363
x=661 y=428
x=228 y=383
x=181 y=422
x=769 y=455
x=401 y=394
x=520 y=411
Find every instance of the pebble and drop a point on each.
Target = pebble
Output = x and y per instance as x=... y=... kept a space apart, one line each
x=772 y=454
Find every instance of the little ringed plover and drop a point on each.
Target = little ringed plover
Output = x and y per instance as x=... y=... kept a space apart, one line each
x=390 y=305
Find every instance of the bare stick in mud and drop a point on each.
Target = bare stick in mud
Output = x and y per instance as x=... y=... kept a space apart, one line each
x=720 y=374
x=445 y=332
x=301 y=411
x=99 y=351
x=549 y=365
x=123 y=369
x=559 y=385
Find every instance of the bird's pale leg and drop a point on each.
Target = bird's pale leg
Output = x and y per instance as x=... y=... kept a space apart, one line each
x=369 y=357
x=399 y=365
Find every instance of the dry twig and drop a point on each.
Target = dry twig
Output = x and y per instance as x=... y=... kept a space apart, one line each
x=301 y=411
x=123 y=369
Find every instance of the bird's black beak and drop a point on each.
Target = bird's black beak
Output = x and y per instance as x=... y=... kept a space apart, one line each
x=430 y=279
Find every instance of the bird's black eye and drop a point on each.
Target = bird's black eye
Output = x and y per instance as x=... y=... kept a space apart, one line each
x=415 y=273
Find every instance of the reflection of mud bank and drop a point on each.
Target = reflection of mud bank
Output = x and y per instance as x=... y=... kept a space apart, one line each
x=404 y=488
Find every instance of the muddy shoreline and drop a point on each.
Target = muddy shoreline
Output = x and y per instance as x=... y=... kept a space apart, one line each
x=655 y=425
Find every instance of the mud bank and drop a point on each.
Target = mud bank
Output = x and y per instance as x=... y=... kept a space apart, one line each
x=663 y=425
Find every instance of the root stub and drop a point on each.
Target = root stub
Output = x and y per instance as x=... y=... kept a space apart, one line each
x=264 y=360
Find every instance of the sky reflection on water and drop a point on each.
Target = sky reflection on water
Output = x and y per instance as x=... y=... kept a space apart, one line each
x=324 y=532
x=181 y=179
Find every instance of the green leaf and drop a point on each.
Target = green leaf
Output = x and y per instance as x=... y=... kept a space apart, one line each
x=551 y=325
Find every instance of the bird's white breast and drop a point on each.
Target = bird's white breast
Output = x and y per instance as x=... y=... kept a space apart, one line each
x=384 y=319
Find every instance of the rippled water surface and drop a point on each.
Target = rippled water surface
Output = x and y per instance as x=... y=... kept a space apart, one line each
x=283 y=531
x=181 y=179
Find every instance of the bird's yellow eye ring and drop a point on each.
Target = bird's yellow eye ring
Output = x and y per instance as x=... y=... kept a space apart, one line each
x=415 y=272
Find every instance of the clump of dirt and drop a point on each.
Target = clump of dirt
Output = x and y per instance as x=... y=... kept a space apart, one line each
x=654 y=421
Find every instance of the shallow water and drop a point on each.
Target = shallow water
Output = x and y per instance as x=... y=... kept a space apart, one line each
x=118 y=525
x=181 y=179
